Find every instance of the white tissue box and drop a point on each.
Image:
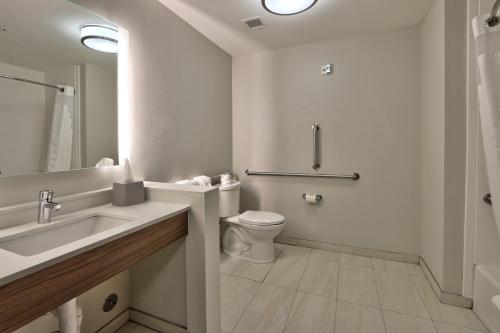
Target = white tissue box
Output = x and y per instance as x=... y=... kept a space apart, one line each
x=127 y=194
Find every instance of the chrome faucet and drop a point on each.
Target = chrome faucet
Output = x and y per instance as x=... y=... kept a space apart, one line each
x=46 y=206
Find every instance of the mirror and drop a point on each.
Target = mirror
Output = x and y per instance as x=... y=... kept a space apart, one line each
x=58 y=97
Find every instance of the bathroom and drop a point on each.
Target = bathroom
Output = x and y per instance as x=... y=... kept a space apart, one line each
x=247 y=166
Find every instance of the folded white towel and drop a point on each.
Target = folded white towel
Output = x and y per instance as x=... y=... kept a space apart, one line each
x=226 y=179
x=199 y=180
x=202 y=181
x=70 y=316
x=184 y=182
x=105 y=162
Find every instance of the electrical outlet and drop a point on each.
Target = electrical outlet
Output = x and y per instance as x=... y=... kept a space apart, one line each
x=327 y=69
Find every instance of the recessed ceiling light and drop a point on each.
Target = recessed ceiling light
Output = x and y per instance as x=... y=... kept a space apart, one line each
x=287 y=7
x=100 y=38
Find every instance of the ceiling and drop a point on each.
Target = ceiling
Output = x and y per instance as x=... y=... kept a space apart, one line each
x=45 y=34
x=219 y=20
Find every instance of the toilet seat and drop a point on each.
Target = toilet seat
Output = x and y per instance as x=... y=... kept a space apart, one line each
x=261 y=218
x=257 y=219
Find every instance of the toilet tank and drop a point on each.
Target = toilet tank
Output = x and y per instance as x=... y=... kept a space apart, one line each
x=229 y=199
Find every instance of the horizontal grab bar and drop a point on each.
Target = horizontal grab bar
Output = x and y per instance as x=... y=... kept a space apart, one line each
x=354 y=176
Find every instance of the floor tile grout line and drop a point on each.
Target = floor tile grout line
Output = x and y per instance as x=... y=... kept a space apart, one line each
x=415 y=317
x=304 y=270
x=378 y=298
x=434 y=325
x=336 y=299
x=246 y=308
x=296 y=292
x=272 y=266
x=411 y=315
x=291 y=312
x=275 y=260
x=418 y=295
x=261 y=285
x=458 y=326
x=422 y=299
x=439 y=303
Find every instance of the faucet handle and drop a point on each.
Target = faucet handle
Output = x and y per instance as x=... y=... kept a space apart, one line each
x=46 y=195
x=54 y=207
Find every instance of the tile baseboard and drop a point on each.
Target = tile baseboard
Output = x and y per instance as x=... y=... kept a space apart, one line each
x=155 y=323
x=359 y=251
x=387 y=255
x=444 y=297
x=116 y=323
x=326 y=246
x=286 y=240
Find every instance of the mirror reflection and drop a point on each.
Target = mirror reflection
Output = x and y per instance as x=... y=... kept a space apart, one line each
x=58 y=88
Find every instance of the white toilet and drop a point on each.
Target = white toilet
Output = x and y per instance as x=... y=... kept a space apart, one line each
x=248 y=236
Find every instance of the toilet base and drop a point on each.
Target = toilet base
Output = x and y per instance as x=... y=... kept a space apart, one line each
x=251 y=245
x=247 y=258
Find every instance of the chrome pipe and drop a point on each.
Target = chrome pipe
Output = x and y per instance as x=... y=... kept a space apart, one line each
x=493 y=20
x=10 y=77
x=316 y=165
x=354 y=176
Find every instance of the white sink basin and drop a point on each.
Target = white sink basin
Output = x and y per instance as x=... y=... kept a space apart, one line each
x=56 y=234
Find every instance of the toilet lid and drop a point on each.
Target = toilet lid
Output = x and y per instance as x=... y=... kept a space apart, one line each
x=261 y=218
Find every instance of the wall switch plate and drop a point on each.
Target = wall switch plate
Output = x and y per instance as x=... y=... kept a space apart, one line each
x=327 y=69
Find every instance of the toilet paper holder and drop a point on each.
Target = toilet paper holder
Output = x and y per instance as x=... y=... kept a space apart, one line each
x=319 y=197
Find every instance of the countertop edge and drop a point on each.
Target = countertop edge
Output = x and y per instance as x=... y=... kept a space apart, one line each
x=18 y=273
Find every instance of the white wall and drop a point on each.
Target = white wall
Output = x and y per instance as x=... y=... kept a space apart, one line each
x=22 y=117
x=443 y=38
x=181 y=108
x=99 y=114
x=368 y=111
x=432 y=34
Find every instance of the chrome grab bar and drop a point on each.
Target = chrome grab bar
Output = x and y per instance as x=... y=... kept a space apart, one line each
x=354 y=176
x=316 y=165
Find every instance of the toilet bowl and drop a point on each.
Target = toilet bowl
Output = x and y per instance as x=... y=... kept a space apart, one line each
x=248 y=236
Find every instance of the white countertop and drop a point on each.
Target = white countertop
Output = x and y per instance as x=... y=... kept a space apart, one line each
x=14 y=266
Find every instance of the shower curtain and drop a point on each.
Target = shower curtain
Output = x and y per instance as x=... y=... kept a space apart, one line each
x=487 y=42
x=61 y=133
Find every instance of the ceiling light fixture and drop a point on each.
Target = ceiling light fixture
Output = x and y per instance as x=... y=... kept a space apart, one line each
x=100 y=37
x=287 y=7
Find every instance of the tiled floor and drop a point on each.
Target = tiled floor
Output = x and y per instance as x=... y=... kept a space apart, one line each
x=134 y=328
x=316 y=291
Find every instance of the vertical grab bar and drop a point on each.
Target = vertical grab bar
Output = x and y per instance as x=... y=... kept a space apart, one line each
x=316 y=165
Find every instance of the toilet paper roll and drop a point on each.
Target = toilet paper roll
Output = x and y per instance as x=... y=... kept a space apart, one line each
x=70 y=317
x=311 y=199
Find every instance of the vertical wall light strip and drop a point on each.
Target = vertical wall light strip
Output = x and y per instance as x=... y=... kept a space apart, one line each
x=123 y=95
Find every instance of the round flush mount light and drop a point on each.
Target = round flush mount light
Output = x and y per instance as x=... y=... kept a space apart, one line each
x=101 y=38
x=287 y=7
